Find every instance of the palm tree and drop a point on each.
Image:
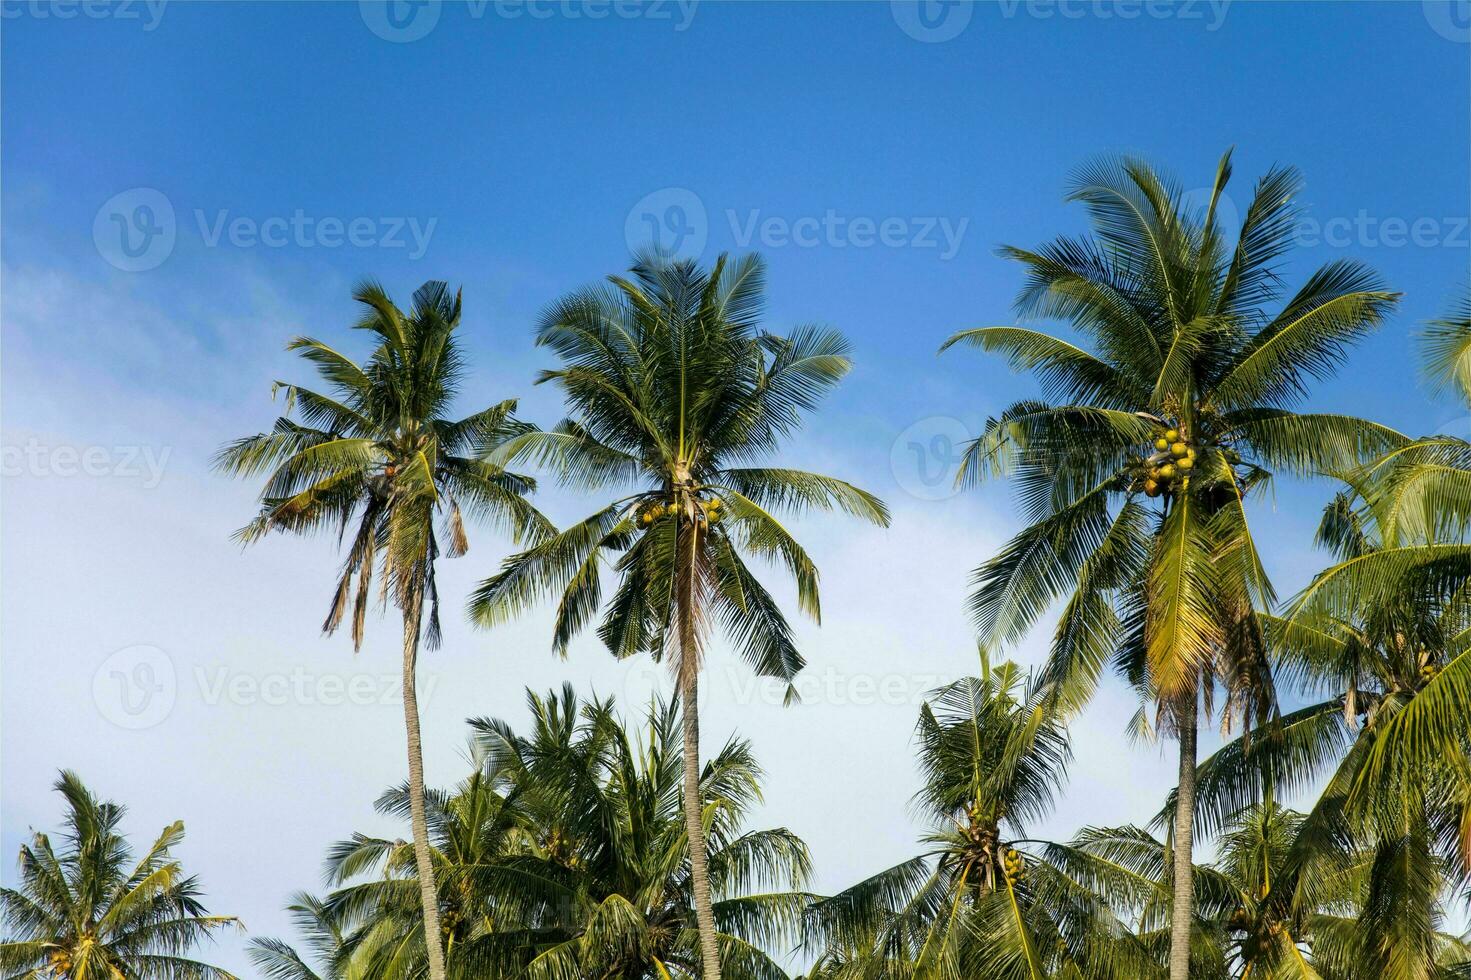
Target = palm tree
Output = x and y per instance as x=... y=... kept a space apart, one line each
x=565 y=854
x=1403 y=564
x=92 y=912
x=378 y=455
x=673 y=392
x=1386 y=844
x=985 y=900
x=1136 y=471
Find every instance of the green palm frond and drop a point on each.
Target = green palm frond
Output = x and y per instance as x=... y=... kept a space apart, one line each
x=1446 y=349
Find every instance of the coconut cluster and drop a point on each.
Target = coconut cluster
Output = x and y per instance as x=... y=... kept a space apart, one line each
x=1167 y=469
x=1014 y=865
x=1428 y=672
x=710 y=511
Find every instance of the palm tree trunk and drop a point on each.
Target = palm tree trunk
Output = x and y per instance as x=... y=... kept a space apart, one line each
x=1183 y=911
x=428 y=895
x=694 y=825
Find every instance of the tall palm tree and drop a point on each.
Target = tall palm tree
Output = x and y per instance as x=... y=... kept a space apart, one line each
x=674 y=391
x=92 y=912
x=985 y=900
x=377 y=455
x=1135 y=471
x=565 y=855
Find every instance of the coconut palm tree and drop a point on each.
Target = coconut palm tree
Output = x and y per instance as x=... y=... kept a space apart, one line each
x=984 y=900
x=1416 y=498
x=565 y=854
x=1385 y=845
x=1398 y=590
x=1135 y=472
x=674 y=393
x=90 y=911
x=377 y=456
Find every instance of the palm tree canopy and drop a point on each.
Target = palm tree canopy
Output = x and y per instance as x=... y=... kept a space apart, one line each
x=983 y=899
x=376 y=459
x=1387 y=625
x=1176 y=404
x=93 y=910
x=565 y=855
x=676 y=394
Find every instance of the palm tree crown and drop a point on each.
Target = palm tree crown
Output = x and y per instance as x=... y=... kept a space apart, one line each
x=671 y=385
x=376 y=453
x=93 y=912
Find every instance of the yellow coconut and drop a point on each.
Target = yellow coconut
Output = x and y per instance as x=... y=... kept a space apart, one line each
x=1172 y=435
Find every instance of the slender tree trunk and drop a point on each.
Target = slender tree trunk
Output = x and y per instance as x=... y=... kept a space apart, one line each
x=1183 y=911
x=428 y=895
x=688 y=606
x=694 y=825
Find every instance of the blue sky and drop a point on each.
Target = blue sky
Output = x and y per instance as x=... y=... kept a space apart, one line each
x=875 y=154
